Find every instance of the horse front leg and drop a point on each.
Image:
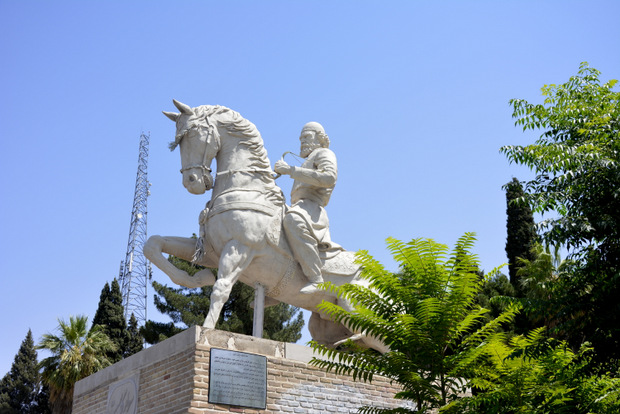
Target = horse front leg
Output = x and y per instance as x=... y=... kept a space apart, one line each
x=235 y=258
x=182 y=247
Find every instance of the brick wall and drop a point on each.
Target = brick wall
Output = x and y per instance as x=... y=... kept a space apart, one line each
x=173 y=377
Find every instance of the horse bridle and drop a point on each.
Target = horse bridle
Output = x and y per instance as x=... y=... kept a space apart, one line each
x=206 y=171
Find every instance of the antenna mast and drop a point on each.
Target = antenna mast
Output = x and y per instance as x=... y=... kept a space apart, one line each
x=136 y=270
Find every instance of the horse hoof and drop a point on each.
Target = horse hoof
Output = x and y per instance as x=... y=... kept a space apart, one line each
x=204 y=278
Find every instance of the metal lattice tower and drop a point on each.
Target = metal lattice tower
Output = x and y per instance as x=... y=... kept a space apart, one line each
x=135 y=269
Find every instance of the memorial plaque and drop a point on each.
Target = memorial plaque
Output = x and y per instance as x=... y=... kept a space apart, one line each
x=237 y=378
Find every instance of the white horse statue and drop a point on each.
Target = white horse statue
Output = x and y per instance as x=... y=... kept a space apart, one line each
x=241 y=226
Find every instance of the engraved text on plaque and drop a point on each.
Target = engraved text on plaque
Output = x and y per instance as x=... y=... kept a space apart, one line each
x=237 y=378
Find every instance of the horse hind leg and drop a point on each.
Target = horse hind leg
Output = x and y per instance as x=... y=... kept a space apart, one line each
x=366 y=341
x=361 y=337
x=235 y=258
x=325 y=331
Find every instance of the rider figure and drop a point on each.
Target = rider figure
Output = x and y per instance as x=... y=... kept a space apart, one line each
x=306 y=224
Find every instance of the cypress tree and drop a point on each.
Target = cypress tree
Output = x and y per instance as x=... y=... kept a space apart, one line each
x=521 y=231
x=19 y=389
x=135 y=340
x=110 y=316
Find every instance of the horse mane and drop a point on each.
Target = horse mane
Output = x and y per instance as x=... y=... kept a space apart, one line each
x=237 y=126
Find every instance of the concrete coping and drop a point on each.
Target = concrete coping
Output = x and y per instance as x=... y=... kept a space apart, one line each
x=190 y=338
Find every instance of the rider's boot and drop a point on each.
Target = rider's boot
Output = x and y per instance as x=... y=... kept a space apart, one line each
x=305 y=250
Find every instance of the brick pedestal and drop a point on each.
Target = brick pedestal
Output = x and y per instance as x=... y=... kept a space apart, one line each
x=173 y=377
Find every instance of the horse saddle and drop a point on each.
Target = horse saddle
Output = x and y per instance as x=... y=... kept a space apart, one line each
x=337 y=261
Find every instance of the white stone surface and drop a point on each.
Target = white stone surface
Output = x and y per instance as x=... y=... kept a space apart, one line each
x=306 y=224
x=241 y=227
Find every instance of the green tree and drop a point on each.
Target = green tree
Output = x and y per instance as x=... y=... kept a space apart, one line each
x=538 y=278
x=189 y=306
x=496 y=286
x=533 y=374
x=21 y=386
x=426 y=314
x=576 y=160
x=520 y=238
x=42 y=400
x=520 y=228
x=577 y=165
x=77 y=352
x=110 y=316
x=135 y=342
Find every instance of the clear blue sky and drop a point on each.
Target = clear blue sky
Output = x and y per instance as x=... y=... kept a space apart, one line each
x=413 y=94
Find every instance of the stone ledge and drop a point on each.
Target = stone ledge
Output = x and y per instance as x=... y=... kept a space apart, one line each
x=244 y=343
x=173 y=376
x=126 y=367
x=196 y=335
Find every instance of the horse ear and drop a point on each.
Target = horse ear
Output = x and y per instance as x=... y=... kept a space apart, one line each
x=172 y=115
x=185 y=109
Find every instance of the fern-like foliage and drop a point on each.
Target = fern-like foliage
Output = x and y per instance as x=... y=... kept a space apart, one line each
x=536 y=375
x=426 y=314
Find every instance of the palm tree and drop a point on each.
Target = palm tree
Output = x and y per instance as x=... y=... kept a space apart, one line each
x=76 y=353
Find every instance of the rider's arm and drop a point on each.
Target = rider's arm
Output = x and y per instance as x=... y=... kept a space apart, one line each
x=325 y=170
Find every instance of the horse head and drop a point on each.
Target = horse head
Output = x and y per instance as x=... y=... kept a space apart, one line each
x=198 y=141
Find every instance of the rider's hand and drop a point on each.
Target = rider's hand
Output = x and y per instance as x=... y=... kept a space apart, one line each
x=281 y=167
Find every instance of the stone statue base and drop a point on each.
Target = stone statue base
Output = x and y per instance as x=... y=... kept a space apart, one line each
x=173 y=377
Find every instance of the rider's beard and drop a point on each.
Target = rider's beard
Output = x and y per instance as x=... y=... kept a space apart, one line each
x=307 y=148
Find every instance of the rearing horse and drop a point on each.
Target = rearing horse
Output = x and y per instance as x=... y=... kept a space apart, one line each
x=241 y=226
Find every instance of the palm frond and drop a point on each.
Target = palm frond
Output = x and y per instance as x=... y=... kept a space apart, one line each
x=75 y=353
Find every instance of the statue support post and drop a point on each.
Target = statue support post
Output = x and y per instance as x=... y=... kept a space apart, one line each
x=259 y=310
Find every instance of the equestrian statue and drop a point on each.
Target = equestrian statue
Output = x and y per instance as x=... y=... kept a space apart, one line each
x=248 y=232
